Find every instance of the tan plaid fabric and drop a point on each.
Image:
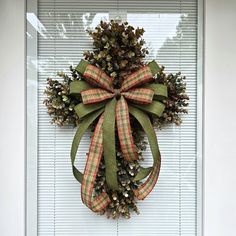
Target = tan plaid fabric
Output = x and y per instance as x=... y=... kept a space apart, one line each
x=91 y=169
x=142 y=191
x=139 y=95
x=142 y=76
x=124 y=131
x=97 y=77
x=95 y=95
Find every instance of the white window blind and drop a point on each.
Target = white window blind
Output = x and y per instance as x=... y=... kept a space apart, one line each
x=171 y=35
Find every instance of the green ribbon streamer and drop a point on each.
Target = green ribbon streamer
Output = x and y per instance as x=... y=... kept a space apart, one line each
x=83 y=110
x=146 y=124
x=109 y=145
x=83 y=126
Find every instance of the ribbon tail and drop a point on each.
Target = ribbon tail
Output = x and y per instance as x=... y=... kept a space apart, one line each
x=84 y=110
x=124 y=130
x=76 y=141
x=109 y=145
x=143 y=190
x=94 y=157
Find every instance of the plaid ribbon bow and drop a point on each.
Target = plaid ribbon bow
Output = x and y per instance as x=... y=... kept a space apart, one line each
x=138 y=95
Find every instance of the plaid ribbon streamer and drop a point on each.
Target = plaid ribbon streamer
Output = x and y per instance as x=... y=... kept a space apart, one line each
x=124 y=131
x=142 y=191
x=130 y=91
x=90 y=172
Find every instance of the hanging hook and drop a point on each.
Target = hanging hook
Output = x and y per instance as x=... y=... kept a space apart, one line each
x=118 y=17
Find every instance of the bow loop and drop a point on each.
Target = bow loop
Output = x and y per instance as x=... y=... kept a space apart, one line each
x=139 y=95
x=95 y=76
x=142 y=76
x=95 y=95
x=124 y=131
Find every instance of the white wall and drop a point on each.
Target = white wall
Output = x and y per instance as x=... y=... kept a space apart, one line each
x=12 y=105
x=220 y=112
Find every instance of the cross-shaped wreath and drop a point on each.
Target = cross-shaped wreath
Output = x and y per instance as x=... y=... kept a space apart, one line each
x=113 y=92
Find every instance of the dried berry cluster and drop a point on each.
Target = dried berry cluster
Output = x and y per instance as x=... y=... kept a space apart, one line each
x=119 y=51
x=177 y=98
x=59 y=103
